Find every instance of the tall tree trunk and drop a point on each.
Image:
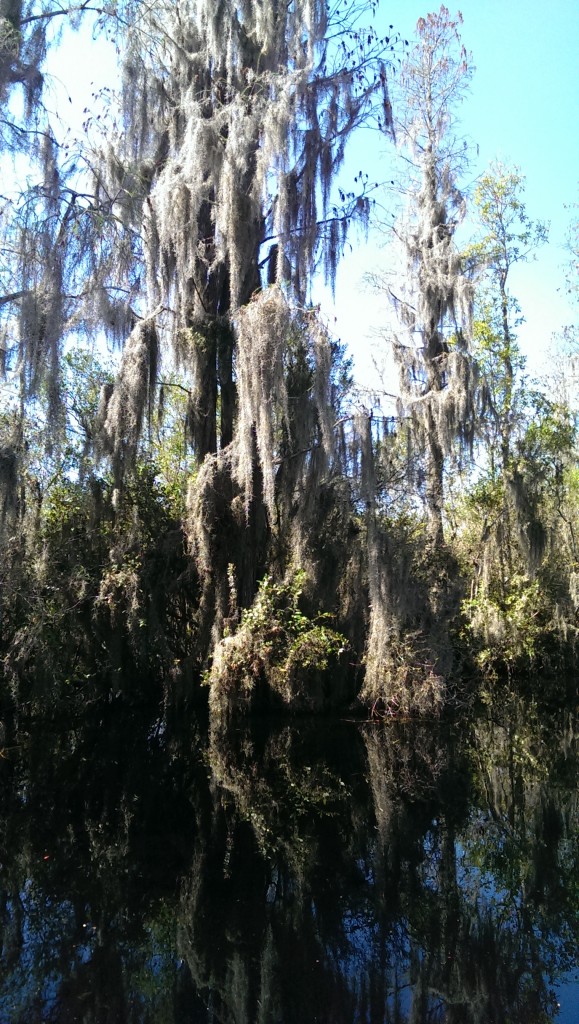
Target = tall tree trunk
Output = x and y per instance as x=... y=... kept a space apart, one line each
x=225 y=347
x=434 y=488
x=203 y=419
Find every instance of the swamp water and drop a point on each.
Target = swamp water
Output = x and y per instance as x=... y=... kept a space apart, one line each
x=333 y=872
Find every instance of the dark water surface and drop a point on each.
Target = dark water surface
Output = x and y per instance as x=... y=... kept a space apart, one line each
x=334 y=872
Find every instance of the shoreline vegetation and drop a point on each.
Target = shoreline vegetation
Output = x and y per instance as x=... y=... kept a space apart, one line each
x=211 y=515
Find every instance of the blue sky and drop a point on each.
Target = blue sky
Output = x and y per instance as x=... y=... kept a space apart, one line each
x=522 y=108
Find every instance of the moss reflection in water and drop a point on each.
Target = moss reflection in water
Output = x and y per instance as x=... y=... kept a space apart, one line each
x=326 y=872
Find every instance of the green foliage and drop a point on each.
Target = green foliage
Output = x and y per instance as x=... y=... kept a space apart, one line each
x=510 y=235
x=87 y=563
x=505 y=629
x=517 y=544
x=500 y=367
x=168 y=447
x=276 y=647
x=548 y=442
x=507 y=237
x=515 y=519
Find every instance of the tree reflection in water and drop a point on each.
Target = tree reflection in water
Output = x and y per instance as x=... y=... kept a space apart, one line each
x=329 y=872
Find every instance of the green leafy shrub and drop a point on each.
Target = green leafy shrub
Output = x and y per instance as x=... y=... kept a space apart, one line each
x=278 y=656
x=506 y=633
